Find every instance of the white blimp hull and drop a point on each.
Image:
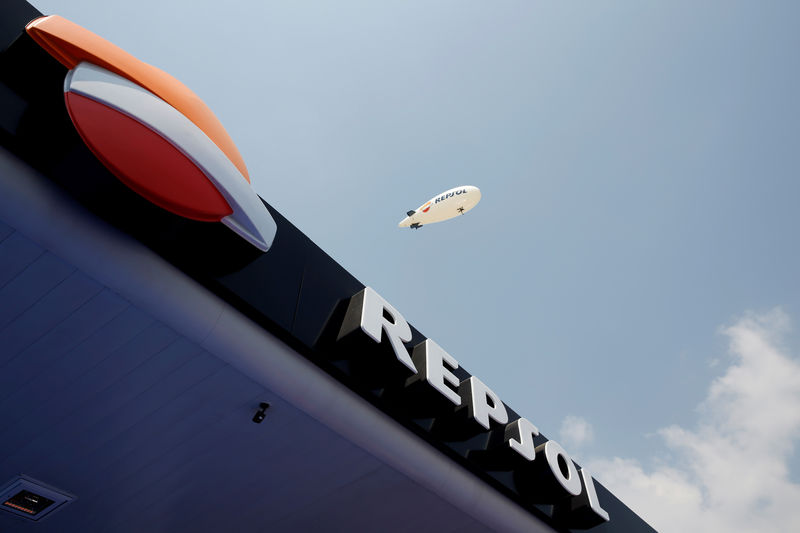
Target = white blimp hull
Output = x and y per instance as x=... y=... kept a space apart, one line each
x=446 y=205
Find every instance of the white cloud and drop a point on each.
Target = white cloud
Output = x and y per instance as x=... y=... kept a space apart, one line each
x=731 y=472
x=575 y=432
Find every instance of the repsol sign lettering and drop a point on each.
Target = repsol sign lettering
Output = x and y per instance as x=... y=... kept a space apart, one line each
x=449 y=195
x=469 y=411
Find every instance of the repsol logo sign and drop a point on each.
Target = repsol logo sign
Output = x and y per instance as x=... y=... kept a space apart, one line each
x=542 y=470
x=449 y=195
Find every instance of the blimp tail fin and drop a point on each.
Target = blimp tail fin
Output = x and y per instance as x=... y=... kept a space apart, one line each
x=409 y=213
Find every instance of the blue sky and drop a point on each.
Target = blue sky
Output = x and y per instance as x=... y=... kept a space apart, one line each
x=639 y=169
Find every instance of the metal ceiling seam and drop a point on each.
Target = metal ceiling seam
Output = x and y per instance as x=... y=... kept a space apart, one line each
x=49 y=392
x=21 y=305
x=6 y=231
x=175 y=363
x=47 y=355
x=174 y=449
x=61 y=413
x=57 y=223
x=43 y=335
x=19 y=258
x=140 y=489
x=62 y=299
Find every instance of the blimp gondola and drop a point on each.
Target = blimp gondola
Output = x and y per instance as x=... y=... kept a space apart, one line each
x=444 y=206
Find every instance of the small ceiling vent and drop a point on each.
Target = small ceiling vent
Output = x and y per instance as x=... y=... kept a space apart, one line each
x=31 y=499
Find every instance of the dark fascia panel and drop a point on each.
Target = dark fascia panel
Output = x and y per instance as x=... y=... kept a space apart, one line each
x=16 y=14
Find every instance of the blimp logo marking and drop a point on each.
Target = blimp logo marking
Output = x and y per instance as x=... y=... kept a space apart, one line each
x=153 y=133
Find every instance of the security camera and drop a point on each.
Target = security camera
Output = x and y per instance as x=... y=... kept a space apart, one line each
x=261 y=413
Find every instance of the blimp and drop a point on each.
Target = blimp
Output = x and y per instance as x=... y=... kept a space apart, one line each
x=444 y=206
